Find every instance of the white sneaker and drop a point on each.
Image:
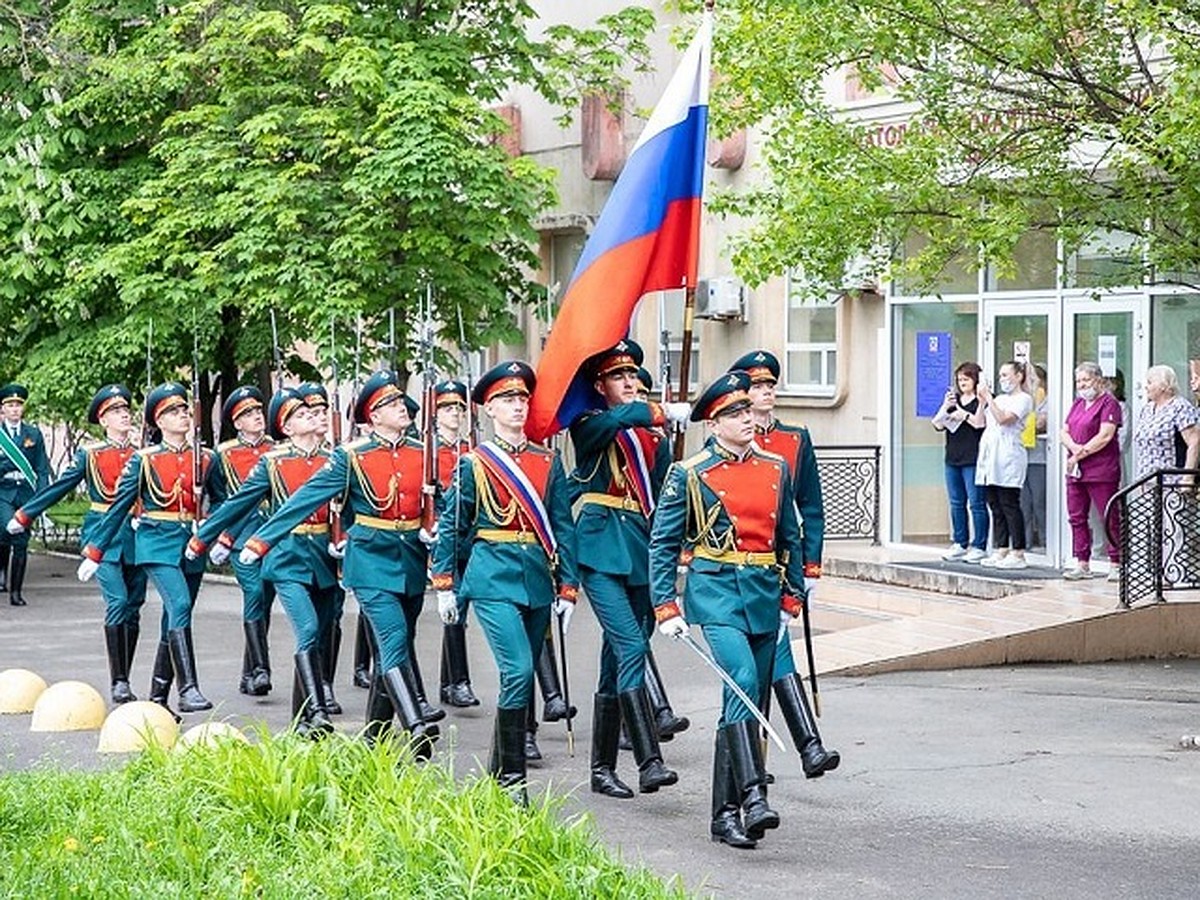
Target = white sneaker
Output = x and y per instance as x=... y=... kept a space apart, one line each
x=974 y=555
x=1114 y=575
x=990 y=562
x=1012 y=561
x=1078 y=573
x=956 y=551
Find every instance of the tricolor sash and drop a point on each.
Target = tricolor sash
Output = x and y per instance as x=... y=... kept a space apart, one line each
x=16 y=457
x=505 y=469
x=637 y=468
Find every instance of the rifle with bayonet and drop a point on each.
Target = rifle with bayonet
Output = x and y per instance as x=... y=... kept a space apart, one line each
x=336 y=532
x=197 y=432
x=429 y=453
x=275 y=354
x=147 y=430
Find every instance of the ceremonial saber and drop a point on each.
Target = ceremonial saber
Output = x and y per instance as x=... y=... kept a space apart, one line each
x=566 y=683
x=733 y=686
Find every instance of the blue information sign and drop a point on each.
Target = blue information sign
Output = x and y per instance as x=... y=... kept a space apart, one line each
x=933 y=370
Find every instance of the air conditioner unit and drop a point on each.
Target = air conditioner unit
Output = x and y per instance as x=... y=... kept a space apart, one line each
x=721 y=298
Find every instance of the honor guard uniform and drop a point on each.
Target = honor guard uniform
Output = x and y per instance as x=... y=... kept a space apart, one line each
x=316 y=398
x=508 y=511
x=450 y=402
x=730 y=508
x=621 y=457
x=161 y=478
x=794 y=444
x=243 y=412
x=24 y=470
x=645 y=383
x=98 y=466
x=299 y=566
x=378 y=478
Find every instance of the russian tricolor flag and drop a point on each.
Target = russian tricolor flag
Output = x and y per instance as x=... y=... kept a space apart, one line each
x=647 y=239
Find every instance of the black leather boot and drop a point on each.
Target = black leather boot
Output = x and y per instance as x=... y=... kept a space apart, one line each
x=161 y=678
x=533 y=753
x=429 y=712
x=118 y=663
x=745 y=756
x=311 y=719
x=555 y=708
x=5 y=551
x=362 y=654
x=183 y=658
x=652 y=773
x=606 y=726
x=400 y=692
x=16 y=578
x=380 y=713
x=329 y=648
x=256 y=665
x=508 y=752
x=726 y=827
x=665 y=720
x=793 y=703
x=456 y=676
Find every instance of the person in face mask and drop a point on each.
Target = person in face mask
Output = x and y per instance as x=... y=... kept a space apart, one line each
x=1093 y=466
x=1002 y=463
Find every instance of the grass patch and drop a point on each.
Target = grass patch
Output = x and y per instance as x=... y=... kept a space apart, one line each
x=285 y=817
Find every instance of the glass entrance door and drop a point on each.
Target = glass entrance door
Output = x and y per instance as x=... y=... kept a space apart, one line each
x=1027 y=331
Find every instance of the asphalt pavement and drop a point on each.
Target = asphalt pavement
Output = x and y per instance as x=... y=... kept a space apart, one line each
x=1034 y=781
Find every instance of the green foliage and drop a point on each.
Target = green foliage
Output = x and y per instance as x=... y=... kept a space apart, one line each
x=287 y=817
x=198 y=166
x=1077 y=117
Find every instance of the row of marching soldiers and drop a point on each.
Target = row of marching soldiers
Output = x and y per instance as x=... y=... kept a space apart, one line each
x=516 y=540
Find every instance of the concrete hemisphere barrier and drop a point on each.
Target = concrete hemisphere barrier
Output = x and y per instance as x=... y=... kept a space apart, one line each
x=207 y=734
x=132 y=727
x=68 y=706
x=19 y=691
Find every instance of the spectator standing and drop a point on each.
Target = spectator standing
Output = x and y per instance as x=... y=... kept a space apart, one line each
x=962 y=451
x=1033 y=493
x=1093 y=467
x=1002 y=463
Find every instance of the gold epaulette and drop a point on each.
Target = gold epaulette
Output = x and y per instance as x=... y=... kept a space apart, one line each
x=357 y=444
x=226 y=445
x=89 y=446
x=769 y=454
x=694 y=460
x=147 y=451
x=280 y=450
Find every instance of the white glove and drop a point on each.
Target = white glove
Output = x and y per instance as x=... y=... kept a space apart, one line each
x=785 y=619
x=338 y=550
x=447 y=607
x=87 y=569
x=428 y=538
x=190 y=555
x=219 y=554
x=248 y=557
x=564 y=609
x=810 y=590
x=674 y=627
x=13 y=526
x=678 y=413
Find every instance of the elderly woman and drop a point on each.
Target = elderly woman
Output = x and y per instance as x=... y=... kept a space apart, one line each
x=1165 y=415
x=1093 y=466
x=1002 y=463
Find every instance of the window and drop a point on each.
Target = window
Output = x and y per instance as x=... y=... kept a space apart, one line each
x=670 y=326
x=565 y=250
x=811 y=346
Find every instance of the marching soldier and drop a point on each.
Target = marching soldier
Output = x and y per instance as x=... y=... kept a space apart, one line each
x=621 y=459
x=379 y=479
x=162 y=478
x=24 y=470
x=299 y=567
x=316 y=398
x=243 y=411
x=450 y=399
x=731 y=506
x=794 y=444
x=98 y=464
x=508 y=510
x=645 y=384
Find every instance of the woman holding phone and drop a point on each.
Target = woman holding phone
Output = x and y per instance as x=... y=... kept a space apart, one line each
x=962 y=452
x=1003 y=461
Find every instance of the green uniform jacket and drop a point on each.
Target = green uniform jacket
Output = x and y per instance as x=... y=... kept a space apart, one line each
x=758 y=491
x=379 y=559
x=233 y=457
x=13 y=486
x=516 y=572
x=160 y=477
x=794 y=444
x=299 y=557
x=610 y=540
x=99 y=465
